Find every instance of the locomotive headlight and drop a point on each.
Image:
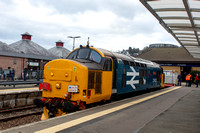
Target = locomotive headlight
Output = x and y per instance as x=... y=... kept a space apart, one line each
x=52 y=73
x=58 y=85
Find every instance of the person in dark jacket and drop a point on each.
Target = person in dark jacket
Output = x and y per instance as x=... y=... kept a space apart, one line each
x=4 y=76
x=8 y=76
x=25 y=73
x=12 y=74
x=179 y=79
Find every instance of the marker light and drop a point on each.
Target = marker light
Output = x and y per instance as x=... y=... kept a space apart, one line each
x=58 y=85
x=66 y=75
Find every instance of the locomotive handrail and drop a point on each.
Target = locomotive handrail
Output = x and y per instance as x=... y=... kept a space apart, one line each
x=19 y=82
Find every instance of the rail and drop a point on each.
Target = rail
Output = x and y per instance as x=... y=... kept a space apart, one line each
x=16 y=113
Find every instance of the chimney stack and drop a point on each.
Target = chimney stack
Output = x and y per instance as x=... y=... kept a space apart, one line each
x=26 y=36
x=59 y=43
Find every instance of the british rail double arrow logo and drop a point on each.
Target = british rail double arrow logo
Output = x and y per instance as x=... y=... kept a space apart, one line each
x=132 y=81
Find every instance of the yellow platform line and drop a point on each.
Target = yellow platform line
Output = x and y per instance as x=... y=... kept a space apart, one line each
x=99 y=114
x=35 y=88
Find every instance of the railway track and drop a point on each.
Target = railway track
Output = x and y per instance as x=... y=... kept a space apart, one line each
x=9 y=114
x=7 y=110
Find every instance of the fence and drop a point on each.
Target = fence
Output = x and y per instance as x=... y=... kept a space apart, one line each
x=25 y=75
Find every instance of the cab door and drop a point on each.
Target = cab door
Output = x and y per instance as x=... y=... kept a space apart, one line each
x=107 y=77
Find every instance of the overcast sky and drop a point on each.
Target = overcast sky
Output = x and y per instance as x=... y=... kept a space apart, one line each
x=110 y=24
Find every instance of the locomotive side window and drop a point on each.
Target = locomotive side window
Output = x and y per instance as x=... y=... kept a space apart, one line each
x=132 y=63
x=83 y=53
x=95 y=56
x=137 y=64
x=107 y=65
x=126 y=62
x=142 y=65
x=141 y=75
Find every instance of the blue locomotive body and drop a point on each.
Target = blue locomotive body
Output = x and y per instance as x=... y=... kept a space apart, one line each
x=136 y=78
x=134 y=74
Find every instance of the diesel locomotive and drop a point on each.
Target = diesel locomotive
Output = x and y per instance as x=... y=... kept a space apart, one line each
x=89 y=75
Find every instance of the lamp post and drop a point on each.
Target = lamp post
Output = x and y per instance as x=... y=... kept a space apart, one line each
x=74 y=37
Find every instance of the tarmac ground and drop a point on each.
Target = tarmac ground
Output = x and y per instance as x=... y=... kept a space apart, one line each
x=182 y=117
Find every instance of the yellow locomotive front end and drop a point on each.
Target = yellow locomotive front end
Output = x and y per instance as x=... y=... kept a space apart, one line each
x=63 y=81
x=70 y=84
x=66 y=78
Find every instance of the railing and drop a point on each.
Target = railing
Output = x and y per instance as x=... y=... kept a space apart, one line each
x=29 y=74
x=14 y=83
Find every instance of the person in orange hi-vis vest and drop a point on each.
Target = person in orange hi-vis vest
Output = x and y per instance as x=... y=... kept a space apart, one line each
x=188 y=79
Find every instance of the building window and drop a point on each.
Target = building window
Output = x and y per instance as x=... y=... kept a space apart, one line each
x=14 y=61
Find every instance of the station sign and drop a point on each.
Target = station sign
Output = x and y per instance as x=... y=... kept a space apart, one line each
x=33 y=63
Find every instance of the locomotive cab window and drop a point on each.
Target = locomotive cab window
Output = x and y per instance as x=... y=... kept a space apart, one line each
x=72 y=55
x=85 y=53
x=94 y=56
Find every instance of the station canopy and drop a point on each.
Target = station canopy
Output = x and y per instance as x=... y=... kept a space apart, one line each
x=181 y=18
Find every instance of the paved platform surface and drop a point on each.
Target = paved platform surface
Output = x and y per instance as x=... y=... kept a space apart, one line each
x=24 y=89
x=170 y=110
x=182 y=117
x=25 y=86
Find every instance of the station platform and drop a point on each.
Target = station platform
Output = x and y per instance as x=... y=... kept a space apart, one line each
x=174 y=109
x=20 y=96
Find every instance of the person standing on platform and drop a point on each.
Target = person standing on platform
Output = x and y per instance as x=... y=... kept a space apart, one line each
x=25 y=73
x=4 y=76
x=8 y=76
x=188 y=79
x=13 y=74
x=197 y=80
x=179 y=79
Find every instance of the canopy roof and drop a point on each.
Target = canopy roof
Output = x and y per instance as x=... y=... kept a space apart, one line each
x=181 y=18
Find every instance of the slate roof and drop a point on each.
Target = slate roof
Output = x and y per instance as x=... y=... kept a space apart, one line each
x=29 y=49
x=5 y=48
x=178 y=55
x=59 y=51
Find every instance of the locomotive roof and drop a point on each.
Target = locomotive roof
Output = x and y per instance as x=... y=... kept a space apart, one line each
x=128 y=58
